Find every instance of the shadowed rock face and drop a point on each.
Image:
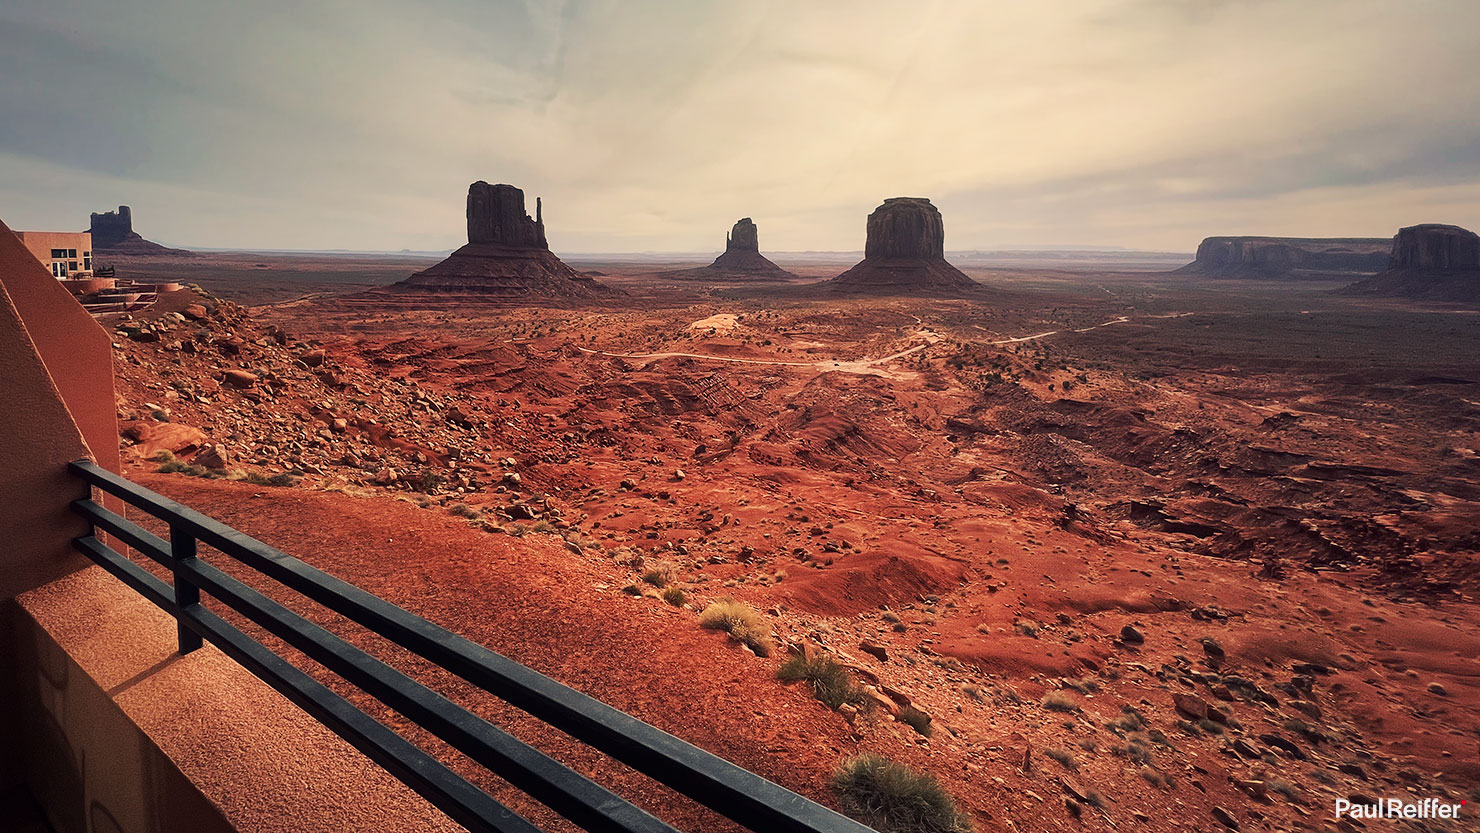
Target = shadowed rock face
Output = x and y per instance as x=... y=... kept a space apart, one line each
x=743 y=237
x=742 y=257
x=905 y=252
x=1430 y=262
x=507 y=256
x=906 y=227
x=1435 y=246
x=1267 y=257
x=496 y=217
x=111 y=227
x=113 y=231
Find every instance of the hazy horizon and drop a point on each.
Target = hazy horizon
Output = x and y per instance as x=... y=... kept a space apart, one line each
x=651 y=127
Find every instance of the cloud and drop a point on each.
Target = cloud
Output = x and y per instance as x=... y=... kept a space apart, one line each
x=653 y=125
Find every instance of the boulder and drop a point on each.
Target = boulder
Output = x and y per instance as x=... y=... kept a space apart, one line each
x=212 y=457
x=150 y=438
x=239 y=378
x=194 y=312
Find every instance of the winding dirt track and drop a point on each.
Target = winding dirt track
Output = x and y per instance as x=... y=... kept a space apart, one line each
x=864 y=366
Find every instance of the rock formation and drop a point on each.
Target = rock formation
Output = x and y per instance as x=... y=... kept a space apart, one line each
x=904 y=252
x=1431 y=262
x=113 y=233
x=1276 y=257
x=507 y=255
x=1434 y=246
x=742 y=259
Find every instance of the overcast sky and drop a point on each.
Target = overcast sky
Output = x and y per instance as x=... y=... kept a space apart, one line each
x=652 y=126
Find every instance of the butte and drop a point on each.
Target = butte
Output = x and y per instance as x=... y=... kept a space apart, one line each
x=1430 y=262
x=113 y=234
x=904 y=254
x=507 y=257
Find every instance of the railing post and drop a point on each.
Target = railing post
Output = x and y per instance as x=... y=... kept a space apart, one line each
x=182 y=546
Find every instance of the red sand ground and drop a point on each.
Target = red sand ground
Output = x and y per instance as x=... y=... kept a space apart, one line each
x=1289 y=475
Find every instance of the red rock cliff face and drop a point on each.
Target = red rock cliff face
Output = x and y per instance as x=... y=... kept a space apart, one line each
x=496 y=217
x=1434 y=246
x=906 y=227
x=743 y=237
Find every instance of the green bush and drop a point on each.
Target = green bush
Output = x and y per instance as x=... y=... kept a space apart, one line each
x=893 y=798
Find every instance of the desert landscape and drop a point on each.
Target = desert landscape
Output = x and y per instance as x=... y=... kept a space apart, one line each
x=1096 y=546
x=968 y=417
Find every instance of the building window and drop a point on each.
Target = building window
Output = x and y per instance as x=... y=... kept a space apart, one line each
x=87 y=261
x=72 y=266
x=59 y=270
x=58 y=253
x=72 y=253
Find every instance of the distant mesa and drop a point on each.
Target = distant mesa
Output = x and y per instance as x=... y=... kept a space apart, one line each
x=1431 y=262
x=743 y=254
x=113 y=233
x=507 y=255
x=904 y=252
x=1288 y=257
x=742 y=259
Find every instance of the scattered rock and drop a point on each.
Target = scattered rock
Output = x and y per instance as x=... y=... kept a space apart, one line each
x=239 y=378
x=1131 y=636
x=874 y=649
x=1225 y=818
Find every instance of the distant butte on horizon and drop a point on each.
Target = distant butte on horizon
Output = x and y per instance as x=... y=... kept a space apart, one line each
x=507 y=255
x=904 y=252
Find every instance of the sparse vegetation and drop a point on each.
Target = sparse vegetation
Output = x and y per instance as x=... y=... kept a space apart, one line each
x=1157 y=778
x=739 y=620
x=916 y=719
x=831 y=683
x=1064 y=757
x=1058 y=701
x=674 y=596
x=896 y=799
x=462 y=510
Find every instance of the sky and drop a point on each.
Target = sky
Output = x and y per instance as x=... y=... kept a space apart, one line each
x=653 y=126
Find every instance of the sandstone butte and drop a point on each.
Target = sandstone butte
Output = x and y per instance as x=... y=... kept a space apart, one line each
x=507 y=255
x=904 y=253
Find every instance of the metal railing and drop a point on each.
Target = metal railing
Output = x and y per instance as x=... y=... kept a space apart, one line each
x=733 y=792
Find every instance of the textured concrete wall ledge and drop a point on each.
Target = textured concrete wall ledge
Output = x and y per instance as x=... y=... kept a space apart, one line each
x=122 y=734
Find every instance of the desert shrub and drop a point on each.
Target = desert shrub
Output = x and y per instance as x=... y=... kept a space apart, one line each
x=1064 y=757
x=1155 y=778
x=1212 y=727
x=916 y=719
x=657 y=578
x=739 y=620
x=462 y=510
x=1084 y=686
x=1134 y=751
x=1027 y=628
x=283 y=479
x=256 y=478
x=1058 y=701
x=1130 y=720
x=896 y=799
x=674 y=596
x=831 y=683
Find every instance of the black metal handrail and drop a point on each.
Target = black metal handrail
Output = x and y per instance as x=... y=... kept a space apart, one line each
x=733 y=792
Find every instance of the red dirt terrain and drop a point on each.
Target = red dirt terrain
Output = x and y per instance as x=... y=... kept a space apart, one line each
x=1145 y=554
